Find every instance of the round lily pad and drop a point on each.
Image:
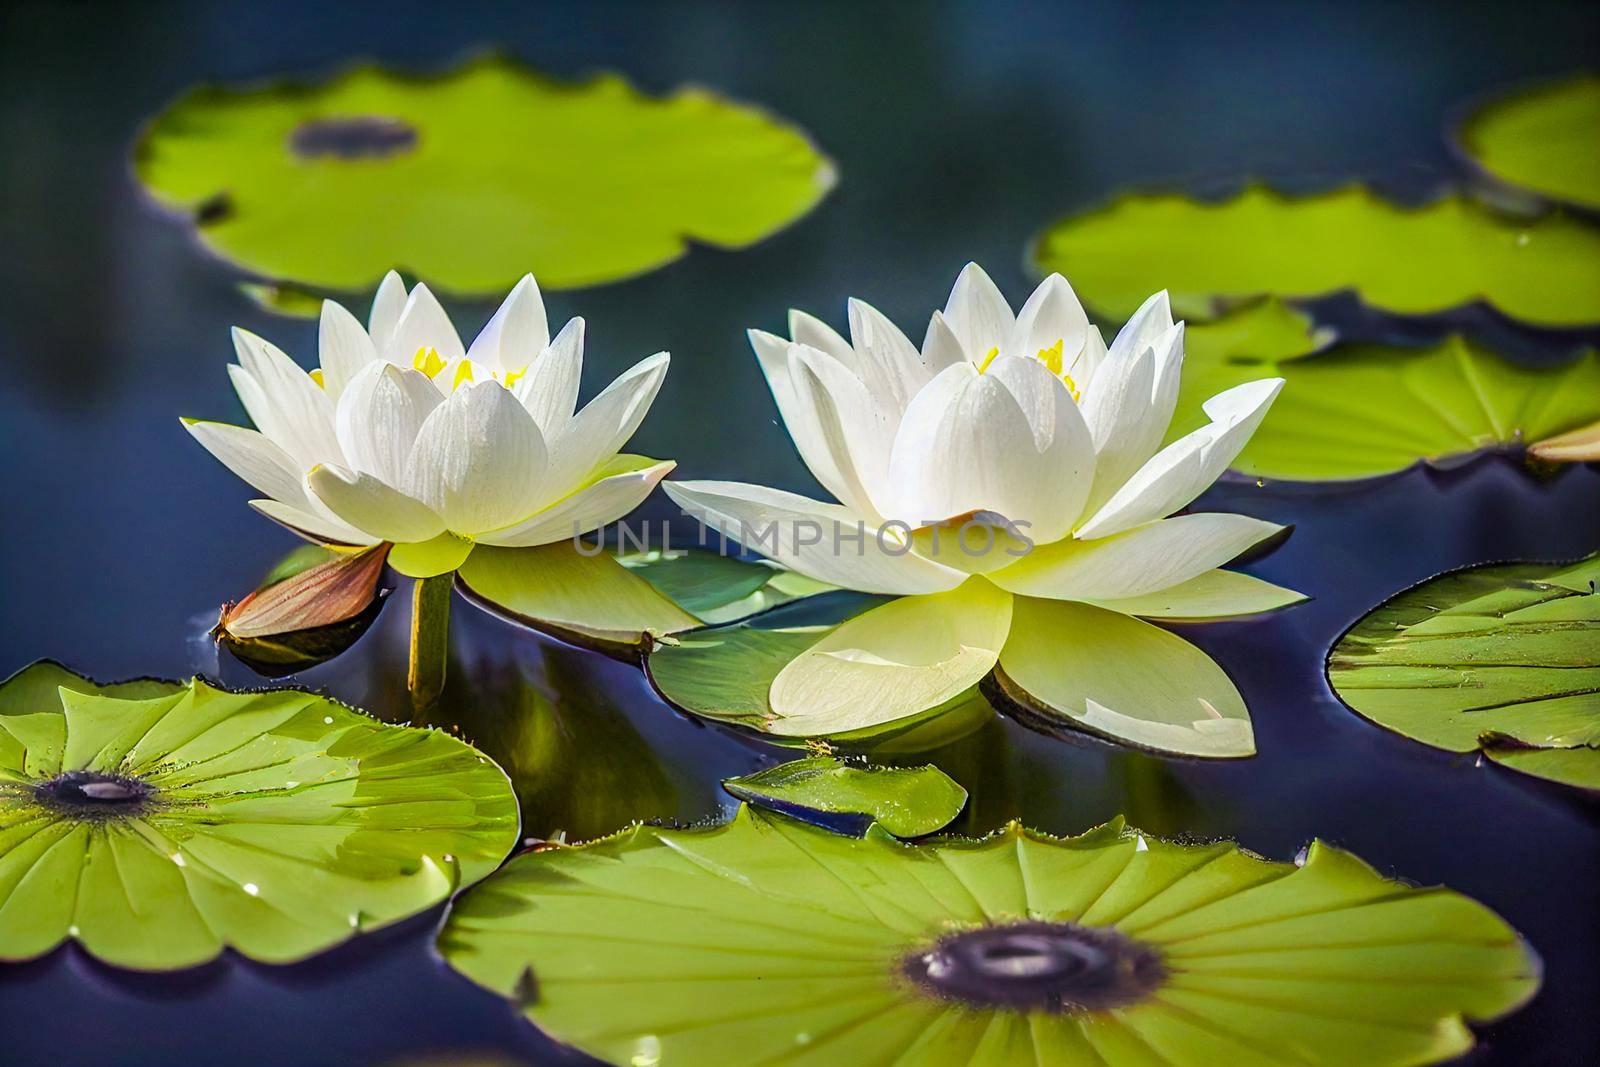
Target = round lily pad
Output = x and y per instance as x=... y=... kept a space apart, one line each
x=1502 y=658
x=1411 y=261
x=1363 y=410
x=771 y=941
x=156 y=823
x=834 y=794
x=610 y=599
x=1545 y=139
x=472 y=178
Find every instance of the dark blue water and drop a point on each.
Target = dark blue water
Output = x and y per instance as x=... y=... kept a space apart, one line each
x=959 y=130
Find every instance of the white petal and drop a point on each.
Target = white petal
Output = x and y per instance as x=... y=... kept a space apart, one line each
x=941 y=347
x=978 y=314
x=313 y=527
x=387 y=304
x=380 y=415
x=1129 y=407
x=892 y=662
x=1186 y=468
x=889 y=364
x=1051 y=314
x=800 y=419
x=371 y=506
x=853 y=427
x=966 y=445
x=1060 y=478
x=1139 y=561
x=297 y=414
x=479 y=460
x=549 y=389
x=1148 y=324
x=597 y=504
x=599 y=431
x=1082 y=370
x=253 y=457
x=810 y=330
x=818 y=540
x=423 y=325
x=343 y=348
x=516 y=333
x=1212 y=595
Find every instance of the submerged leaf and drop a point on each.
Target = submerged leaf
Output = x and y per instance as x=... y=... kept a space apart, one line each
x=472 y=178
x=1502 y=657
x=1545 y=139
x=770 y=941
x=906 y=801
x=1413 y=261
x=1365 y=410
x=156 y=823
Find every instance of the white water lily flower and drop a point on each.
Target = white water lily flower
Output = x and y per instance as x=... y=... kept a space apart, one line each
x=402 y=435
x=1011 y=469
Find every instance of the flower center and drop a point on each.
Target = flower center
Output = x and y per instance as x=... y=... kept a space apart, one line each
x=429 y=362
x=1051 y=356
x=94 y=795
x=1038 y=966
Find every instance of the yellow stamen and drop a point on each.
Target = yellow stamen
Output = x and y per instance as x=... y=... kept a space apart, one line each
x=316 y=376
x=463 y=374
x=1051 y=357
x=428 y=361
x=513 y=376
x=988 y=358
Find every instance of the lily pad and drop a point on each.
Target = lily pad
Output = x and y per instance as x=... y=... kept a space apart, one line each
x=156 y=823
x=770 y=941
x=833 y=794
x=1502 y=658
x=1411 y=261
x=611 y=599
x=472 y=178
x=1545 y=139
x=1360 y=410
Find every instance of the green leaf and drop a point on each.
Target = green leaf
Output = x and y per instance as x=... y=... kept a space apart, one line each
x=1076 y=665
x=1412 y=261
x=906 y=801
x=1502 y=657
x=725 y=673
x=769 y=941
x=1545 y=139
x=584 y=595
x=1365 y=410
x=472 y=178
x=156 y=823
x=429 y=559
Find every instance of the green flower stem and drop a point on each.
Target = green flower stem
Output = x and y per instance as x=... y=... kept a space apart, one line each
x=430 y=639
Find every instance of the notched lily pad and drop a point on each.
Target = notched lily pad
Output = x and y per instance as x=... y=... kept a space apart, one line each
x=770 y=941
x=314 y=604
x=1545 y=139
x=471 y=178
x=156 y=823
x=848 y=797
x=1359 y=410
x=1502 y=658
x=621 y=600
x=1411 y=261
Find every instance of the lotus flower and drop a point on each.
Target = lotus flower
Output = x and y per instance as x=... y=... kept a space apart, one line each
x=1009 y=482
x=402 y=435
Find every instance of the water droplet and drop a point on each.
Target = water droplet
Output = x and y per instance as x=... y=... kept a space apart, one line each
x=290 y=785
x=328 y=719
x=1141 y=845
x=647 y=1052
x=177 y=857
x=252 y=888
x=73 y=929
x=449 y=858
x=802 y=1038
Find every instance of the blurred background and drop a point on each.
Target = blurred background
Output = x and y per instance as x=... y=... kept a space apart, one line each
x=959 y=131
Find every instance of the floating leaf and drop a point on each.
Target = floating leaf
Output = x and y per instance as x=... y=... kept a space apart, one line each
x=1413 y=261
x=308 y=615
x=156 y=823
x=1502 y=657
x=594 y=595
x=770 y=941
x=905 y=801
x=1546 y=139
x=472 y=178
x=1364 y=410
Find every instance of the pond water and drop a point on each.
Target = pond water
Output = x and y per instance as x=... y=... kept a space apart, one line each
x=959 y=131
